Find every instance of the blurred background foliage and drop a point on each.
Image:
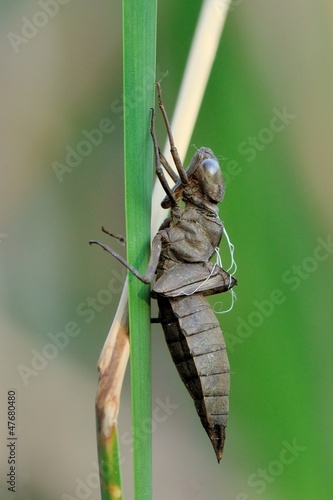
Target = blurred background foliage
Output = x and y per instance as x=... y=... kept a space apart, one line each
x=57 y=87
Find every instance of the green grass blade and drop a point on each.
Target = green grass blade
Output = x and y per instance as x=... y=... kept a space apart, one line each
x=139 y=50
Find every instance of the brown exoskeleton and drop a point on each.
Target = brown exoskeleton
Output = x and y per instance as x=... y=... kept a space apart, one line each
x=180 y=255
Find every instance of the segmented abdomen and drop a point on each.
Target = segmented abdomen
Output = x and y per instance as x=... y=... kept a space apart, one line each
x=197 y=347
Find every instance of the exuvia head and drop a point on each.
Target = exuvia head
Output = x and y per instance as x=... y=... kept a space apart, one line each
x=205 y=181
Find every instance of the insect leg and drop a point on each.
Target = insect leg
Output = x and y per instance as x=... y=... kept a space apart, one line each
x=167 y=167
x=173 y=149
x=155 y=320
x=153 y=261
x=121 y=239
x=158 y=168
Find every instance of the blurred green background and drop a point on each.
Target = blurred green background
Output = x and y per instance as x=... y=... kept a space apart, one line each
x=267 y=111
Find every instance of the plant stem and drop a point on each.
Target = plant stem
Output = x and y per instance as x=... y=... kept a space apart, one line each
x=139 y=51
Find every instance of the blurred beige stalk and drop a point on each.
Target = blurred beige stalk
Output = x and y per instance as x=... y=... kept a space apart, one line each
x=114 y=357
